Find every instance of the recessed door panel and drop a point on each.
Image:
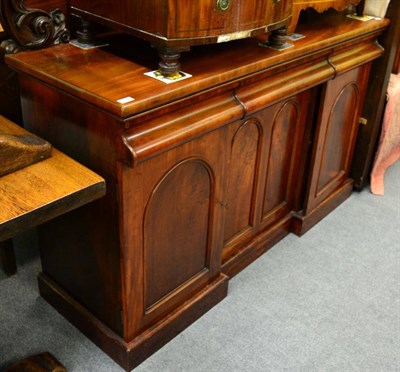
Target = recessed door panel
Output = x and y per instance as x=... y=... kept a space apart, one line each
x=335 y=135
x=242 y=179
x=280 y=157
x=338 y=133
x=176 y=229
x=265 y=161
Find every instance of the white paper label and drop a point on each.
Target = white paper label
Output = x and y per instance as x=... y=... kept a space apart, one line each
x=126 y=100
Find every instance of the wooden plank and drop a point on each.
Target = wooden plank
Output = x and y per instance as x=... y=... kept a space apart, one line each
x=44 y=190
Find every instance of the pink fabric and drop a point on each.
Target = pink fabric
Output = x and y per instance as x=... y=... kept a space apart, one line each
x=388 y=150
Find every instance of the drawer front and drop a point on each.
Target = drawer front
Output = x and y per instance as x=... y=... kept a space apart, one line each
x=219 y=17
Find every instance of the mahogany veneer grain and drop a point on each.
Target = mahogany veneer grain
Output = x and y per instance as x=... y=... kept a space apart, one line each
x=318 y=5
x=72 y=70
x=204 y=174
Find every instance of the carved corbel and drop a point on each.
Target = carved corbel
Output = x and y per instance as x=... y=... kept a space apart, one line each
x=30 y=28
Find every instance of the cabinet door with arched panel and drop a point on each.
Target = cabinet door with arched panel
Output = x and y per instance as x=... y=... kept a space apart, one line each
x=284 y=124
x=263 y=175
x=329 y=183
x=243 y=184
x=172 y=213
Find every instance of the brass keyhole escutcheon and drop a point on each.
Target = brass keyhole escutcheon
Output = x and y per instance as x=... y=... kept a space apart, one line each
x=223 y=5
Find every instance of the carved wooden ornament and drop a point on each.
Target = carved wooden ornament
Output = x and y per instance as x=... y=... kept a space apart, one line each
x=30 y=28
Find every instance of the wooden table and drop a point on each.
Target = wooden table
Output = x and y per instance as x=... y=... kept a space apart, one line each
x=33 y=195
x=40 y=192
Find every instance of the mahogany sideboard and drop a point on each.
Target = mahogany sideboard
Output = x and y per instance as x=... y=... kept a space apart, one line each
x=203 y=175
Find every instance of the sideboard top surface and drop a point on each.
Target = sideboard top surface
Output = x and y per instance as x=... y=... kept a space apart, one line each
x=102 y=78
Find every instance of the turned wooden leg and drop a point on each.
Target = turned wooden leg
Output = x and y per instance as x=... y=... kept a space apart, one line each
x=85 y=34
x=169 y=64
x=277 y=38
x=7 y=257
x=360 y=8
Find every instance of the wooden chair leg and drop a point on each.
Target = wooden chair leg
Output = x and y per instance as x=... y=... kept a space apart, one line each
x=7 y=257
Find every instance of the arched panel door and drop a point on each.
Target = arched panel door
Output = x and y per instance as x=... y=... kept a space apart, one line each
x=335 y=135
x=281 y=158
x=284 y=124
x=242 y=185
x=173 y=219
x=265 y=161
x=335 y=152
x=242 y=179
x=176 y=241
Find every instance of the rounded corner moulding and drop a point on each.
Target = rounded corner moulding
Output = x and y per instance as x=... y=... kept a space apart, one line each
x=155 y=137
x=353 y=57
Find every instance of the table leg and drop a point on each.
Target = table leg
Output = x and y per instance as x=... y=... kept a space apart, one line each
x=7 y=257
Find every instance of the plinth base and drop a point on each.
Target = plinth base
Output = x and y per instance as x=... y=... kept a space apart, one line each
x=130 y=354
x=303 y=223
